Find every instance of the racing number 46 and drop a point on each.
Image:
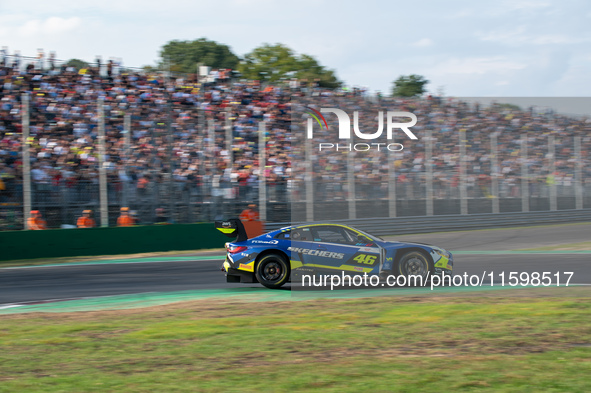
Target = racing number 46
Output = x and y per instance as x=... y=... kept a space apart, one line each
x=365 y=259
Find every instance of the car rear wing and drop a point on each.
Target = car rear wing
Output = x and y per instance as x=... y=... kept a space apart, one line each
x=232 y=228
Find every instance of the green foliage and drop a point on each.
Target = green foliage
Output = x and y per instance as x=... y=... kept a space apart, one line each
x=149 y=68
x=184 y=56
x=77 y=63
x=271 y=63
x=511 y=107
x=409 y=86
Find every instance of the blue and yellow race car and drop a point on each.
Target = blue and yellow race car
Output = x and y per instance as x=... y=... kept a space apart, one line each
x=281 y=256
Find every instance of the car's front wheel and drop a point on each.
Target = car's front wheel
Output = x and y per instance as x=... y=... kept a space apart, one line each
x=272 y=271
x=415 y=264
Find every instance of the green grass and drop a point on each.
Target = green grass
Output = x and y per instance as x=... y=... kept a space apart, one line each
x=409 y=344
x=582 y=246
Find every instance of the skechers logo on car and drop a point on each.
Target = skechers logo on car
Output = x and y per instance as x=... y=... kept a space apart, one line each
x=265 y=241
x=327 y=254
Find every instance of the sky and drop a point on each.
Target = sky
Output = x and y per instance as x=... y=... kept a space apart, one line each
x=464 y=48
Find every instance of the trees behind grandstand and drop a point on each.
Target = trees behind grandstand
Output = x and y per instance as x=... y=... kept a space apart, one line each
x=268 y=63
x=409 y=86
x=184 y=56
x=77 y=63
x=272 y=63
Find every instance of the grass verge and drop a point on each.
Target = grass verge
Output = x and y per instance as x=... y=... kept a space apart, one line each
x=410 y=344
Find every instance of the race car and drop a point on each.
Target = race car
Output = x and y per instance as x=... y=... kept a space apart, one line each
x=283 y=255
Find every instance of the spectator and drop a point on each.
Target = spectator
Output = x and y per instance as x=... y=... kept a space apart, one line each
x=250 y=213
x=125 y=220
x=64 y=123
x=36 y=221
x=85 y=221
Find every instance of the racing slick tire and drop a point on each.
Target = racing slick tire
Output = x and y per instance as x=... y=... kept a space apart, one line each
x=415 y=263
x=272 y=271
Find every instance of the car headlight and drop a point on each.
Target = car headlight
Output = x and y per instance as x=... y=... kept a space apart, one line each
x=442 y=252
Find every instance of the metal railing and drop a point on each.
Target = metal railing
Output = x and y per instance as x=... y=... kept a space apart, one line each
x=408 y=225
x=385 y=186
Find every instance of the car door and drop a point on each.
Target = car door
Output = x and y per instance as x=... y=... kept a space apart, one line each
x=300 y=246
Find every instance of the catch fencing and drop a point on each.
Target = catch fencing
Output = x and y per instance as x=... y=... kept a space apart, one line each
x=446 y=223
x=155 y=171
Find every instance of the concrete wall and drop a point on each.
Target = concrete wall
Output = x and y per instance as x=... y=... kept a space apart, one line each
x=108 y=241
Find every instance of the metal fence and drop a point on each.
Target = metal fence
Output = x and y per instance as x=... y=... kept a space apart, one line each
x=458 y=222
x=154 y=173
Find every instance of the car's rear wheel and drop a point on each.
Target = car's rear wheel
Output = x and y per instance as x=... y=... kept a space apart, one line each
x=272 y=271
x=415 y=263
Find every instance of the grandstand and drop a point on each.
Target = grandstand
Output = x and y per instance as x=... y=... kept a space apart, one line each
x=192 y=145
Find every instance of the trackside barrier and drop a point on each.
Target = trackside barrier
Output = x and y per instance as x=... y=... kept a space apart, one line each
x=424 y=224
x=55 y=243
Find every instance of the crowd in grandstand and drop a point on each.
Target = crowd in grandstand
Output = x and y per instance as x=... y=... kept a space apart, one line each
x=173 y=119
x=445 y=117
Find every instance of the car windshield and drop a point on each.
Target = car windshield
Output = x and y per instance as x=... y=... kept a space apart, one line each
x=303 y=234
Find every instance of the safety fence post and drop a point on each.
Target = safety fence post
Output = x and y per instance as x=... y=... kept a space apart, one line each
x=578 y=174
x=26 y=158
x=552 y=175
x=429 y=167
x=351 y=186
x=391 y=184
x=524 y=176
x=494 y=172
x=262 y=179
x=309 y=179
x=229 y=138
x=103 y=197
x=463 y=191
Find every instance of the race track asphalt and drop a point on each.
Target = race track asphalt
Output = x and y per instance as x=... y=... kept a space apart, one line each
x=65 y=282
x=40 y=283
